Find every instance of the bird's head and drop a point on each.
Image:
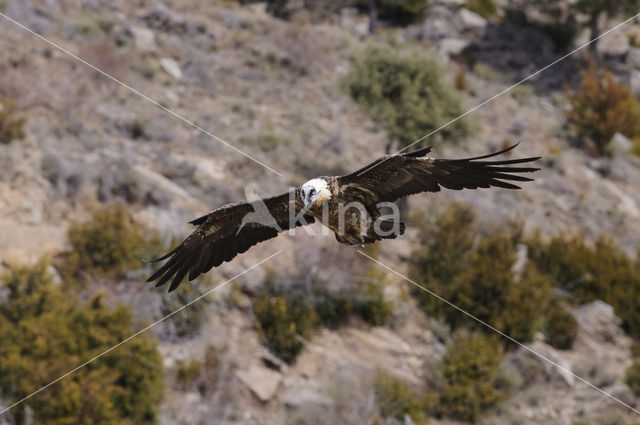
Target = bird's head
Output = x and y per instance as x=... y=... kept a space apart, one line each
x=315 y=192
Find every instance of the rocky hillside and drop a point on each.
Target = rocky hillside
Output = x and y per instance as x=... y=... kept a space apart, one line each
x=275 y=90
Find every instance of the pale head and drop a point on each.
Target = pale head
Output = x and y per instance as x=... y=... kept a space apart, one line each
x=315 y=192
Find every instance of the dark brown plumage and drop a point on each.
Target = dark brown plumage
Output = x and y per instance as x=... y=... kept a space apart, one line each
x=234 y=228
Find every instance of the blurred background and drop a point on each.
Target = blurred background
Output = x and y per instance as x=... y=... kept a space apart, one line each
x=94 y=178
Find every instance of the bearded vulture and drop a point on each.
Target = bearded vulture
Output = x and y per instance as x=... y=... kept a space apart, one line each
x=349 y=205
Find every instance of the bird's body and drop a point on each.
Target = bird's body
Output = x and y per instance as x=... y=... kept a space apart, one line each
x=340 y=210
x=352 y=206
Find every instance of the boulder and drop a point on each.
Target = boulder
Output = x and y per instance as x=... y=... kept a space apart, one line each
x=634 y=82
x=261 y=381
x=614 y=44
x=520 y=265
x=619 y=145
x=531 y=366
x=16 y=257
x=144 y=38
x=452 y=46
x=296 y=397
x=470 y=22
x=633 y=58
x=171 y=67
x=598 y=321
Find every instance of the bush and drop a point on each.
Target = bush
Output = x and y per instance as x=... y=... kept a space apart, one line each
x=280 y=320
x=485 y=8
x=632 y=376
x=372 y=305
x=93 y=24
x=407 y=93
x=11 y=126
x=107 y=243
x=398 y=12
x=367 y=301
x=201 y=375
x=267 y=141
x=51 y=333
x=561 y=327
x=332 y=308
x=187 y=371
x=394 y=399
x=556 y=18
x=635 y=149
x=602 y=107
x=470 y=369
x=602 y=271
x=187 y=322
x=477 y=277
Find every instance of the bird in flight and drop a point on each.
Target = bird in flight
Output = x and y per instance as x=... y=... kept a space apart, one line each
x=352 y=206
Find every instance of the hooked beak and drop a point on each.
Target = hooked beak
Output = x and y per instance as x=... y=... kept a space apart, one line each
x=309 y=198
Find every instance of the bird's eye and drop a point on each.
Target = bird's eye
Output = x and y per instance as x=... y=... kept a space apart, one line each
x=312 y=192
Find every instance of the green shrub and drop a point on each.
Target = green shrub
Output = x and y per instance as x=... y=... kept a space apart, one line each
x=109 y=242
x=280 y=320
x=200 y=375
x=485 y=8
x=398 y=12
x=635 y=149
x=187 y=371
x=11 y=126
x=487 y=72
x=51 y=333
x=372 y=305
x=561 y=328
x=553 y=17
x=279 y=8
x=394 y=399
x=470 y=369
x=367 y=301
x=602 y=107
x=443 y=251
x=332 y=308
x=522 y=93
x=591 y=272
x=267 y=141
x=408 y=93
x=477 y=277
x=187 y=322
x=93 y=24
x=632 y=376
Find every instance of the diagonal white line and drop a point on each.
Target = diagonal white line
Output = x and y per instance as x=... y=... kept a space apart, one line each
x=541 y=70
x=147 y=98
x=138 y=333
x=499 y=332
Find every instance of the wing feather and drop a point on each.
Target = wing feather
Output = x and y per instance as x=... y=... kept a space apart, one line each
x=393 y=177
x=224 y=233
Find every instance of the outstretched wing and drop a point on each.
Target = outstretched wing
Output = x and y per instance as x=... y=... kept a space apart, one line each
x=392 y=177
x=226 y=232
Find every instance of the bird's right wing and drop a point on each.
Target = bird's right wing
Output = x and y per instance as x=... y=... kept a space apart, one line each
x=228 y=231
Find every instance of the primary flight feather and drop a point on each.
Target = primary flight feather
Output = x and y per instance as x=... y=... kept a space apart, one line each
x=234 y=228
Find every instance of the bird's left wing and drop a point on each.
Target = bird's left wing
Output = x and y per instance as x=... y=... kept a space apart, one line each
x=226 y=232
x=393 y=177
